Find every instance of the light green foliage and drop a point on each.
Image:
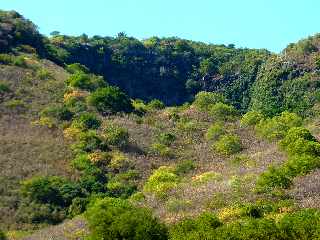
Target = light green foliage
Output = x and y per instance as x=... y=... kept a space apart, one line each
x=111 y=218
x=77 y=68
x=166 y=139
x=204 y=100
x=88 y=142
x=86 y=121
x=177 y=205
x=215 y=131
x=155 y=105
x=17 y=105
x=207 y=177
x=275 y=128
x=120 y=162
x=228 y=144
x=139 y=106
x=44 y=74
x=115 y=135
x=123 y=185
x=110 y=100
x=161 y=150
x=12 y=60
x=222 y=111
x=199 y=228
x=61 y=113
x=162 y=181
x=85 y=81
x=251 y=118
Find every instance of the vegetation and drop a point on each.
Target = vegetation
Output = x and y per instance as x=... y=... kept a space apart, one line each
x=117 y=153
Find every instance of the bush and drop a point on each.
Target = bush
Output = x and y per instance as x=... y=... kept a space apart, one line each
x=215 y=131
x=87 y=121
x=119 y=162
x=161 y=150
x=50 y=190
x=228 y=144
x=276 y=128
x=37 y=213
x=166 y=139
x=299 y=140
x=139 y=106
x=161 y=181
x=85 y=81
x=4 y=88
x=110 y=100
x=89 y=142
x=273 y=178
x=123 y=185
x=184 y=167
x=77 y=68
x=204 y=100
x=117 y=219
x=251 y=118
x=77 y=207
x=155 y=105
x=59 y=112
x=201 y=227
x=178 y=205
x=222 y=111
x=116 y=136
x=44 y=74
x=2 y=236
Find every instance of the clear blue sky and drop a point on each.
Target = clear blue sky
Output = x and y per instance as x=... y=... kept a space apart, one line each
x=270 y=24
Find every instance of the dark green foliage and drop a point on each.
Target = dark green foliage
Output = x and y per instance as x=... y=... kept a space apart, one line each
x=50 y=190
x=123 y=184
x=4 y=88
x=111 y=218
x=110 y=100
x=59 y=112
x=87 y=121
x=77 y=207
x=184 y=167
x=2 y=236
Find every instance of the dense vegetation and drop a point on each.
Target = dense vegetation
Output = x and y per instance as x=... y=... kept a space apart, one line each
x=162 y=138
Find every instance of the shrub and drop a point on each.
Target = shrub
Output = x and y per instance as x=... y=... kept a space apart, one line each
x=215 y=131
x=273 y=178
x=222 y=111
x=87 y=121
x=301 y=165
x=228 y=144
x=4 y=88
x=161 y=181
x=207 y=177
x=44 y=74
x=89 y=142
x=50 y=190
x=116 y=136
x=37 y=213
x=16 y=104
x=139 y=106
x=201 y=227
x=178 y=205
x=119 y=162
x=77 y=68
x=251 y=118
x=77 y=207
x=85 y=81
x=117 y=219
x=161 y=150
x=59 y=112
x=276 y=128
x=123 y=185
x=184 y=167
x=110 y=100
x=166 y=139
x=2 y=236
x=155 y=105
x=204 y=100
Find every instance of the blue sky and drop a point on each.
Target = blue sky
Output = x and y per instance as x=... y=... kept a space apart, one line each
x=270 y=24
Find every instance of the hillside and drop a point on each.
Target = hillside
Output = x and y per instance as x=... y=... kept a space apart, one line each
x=156 y=139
